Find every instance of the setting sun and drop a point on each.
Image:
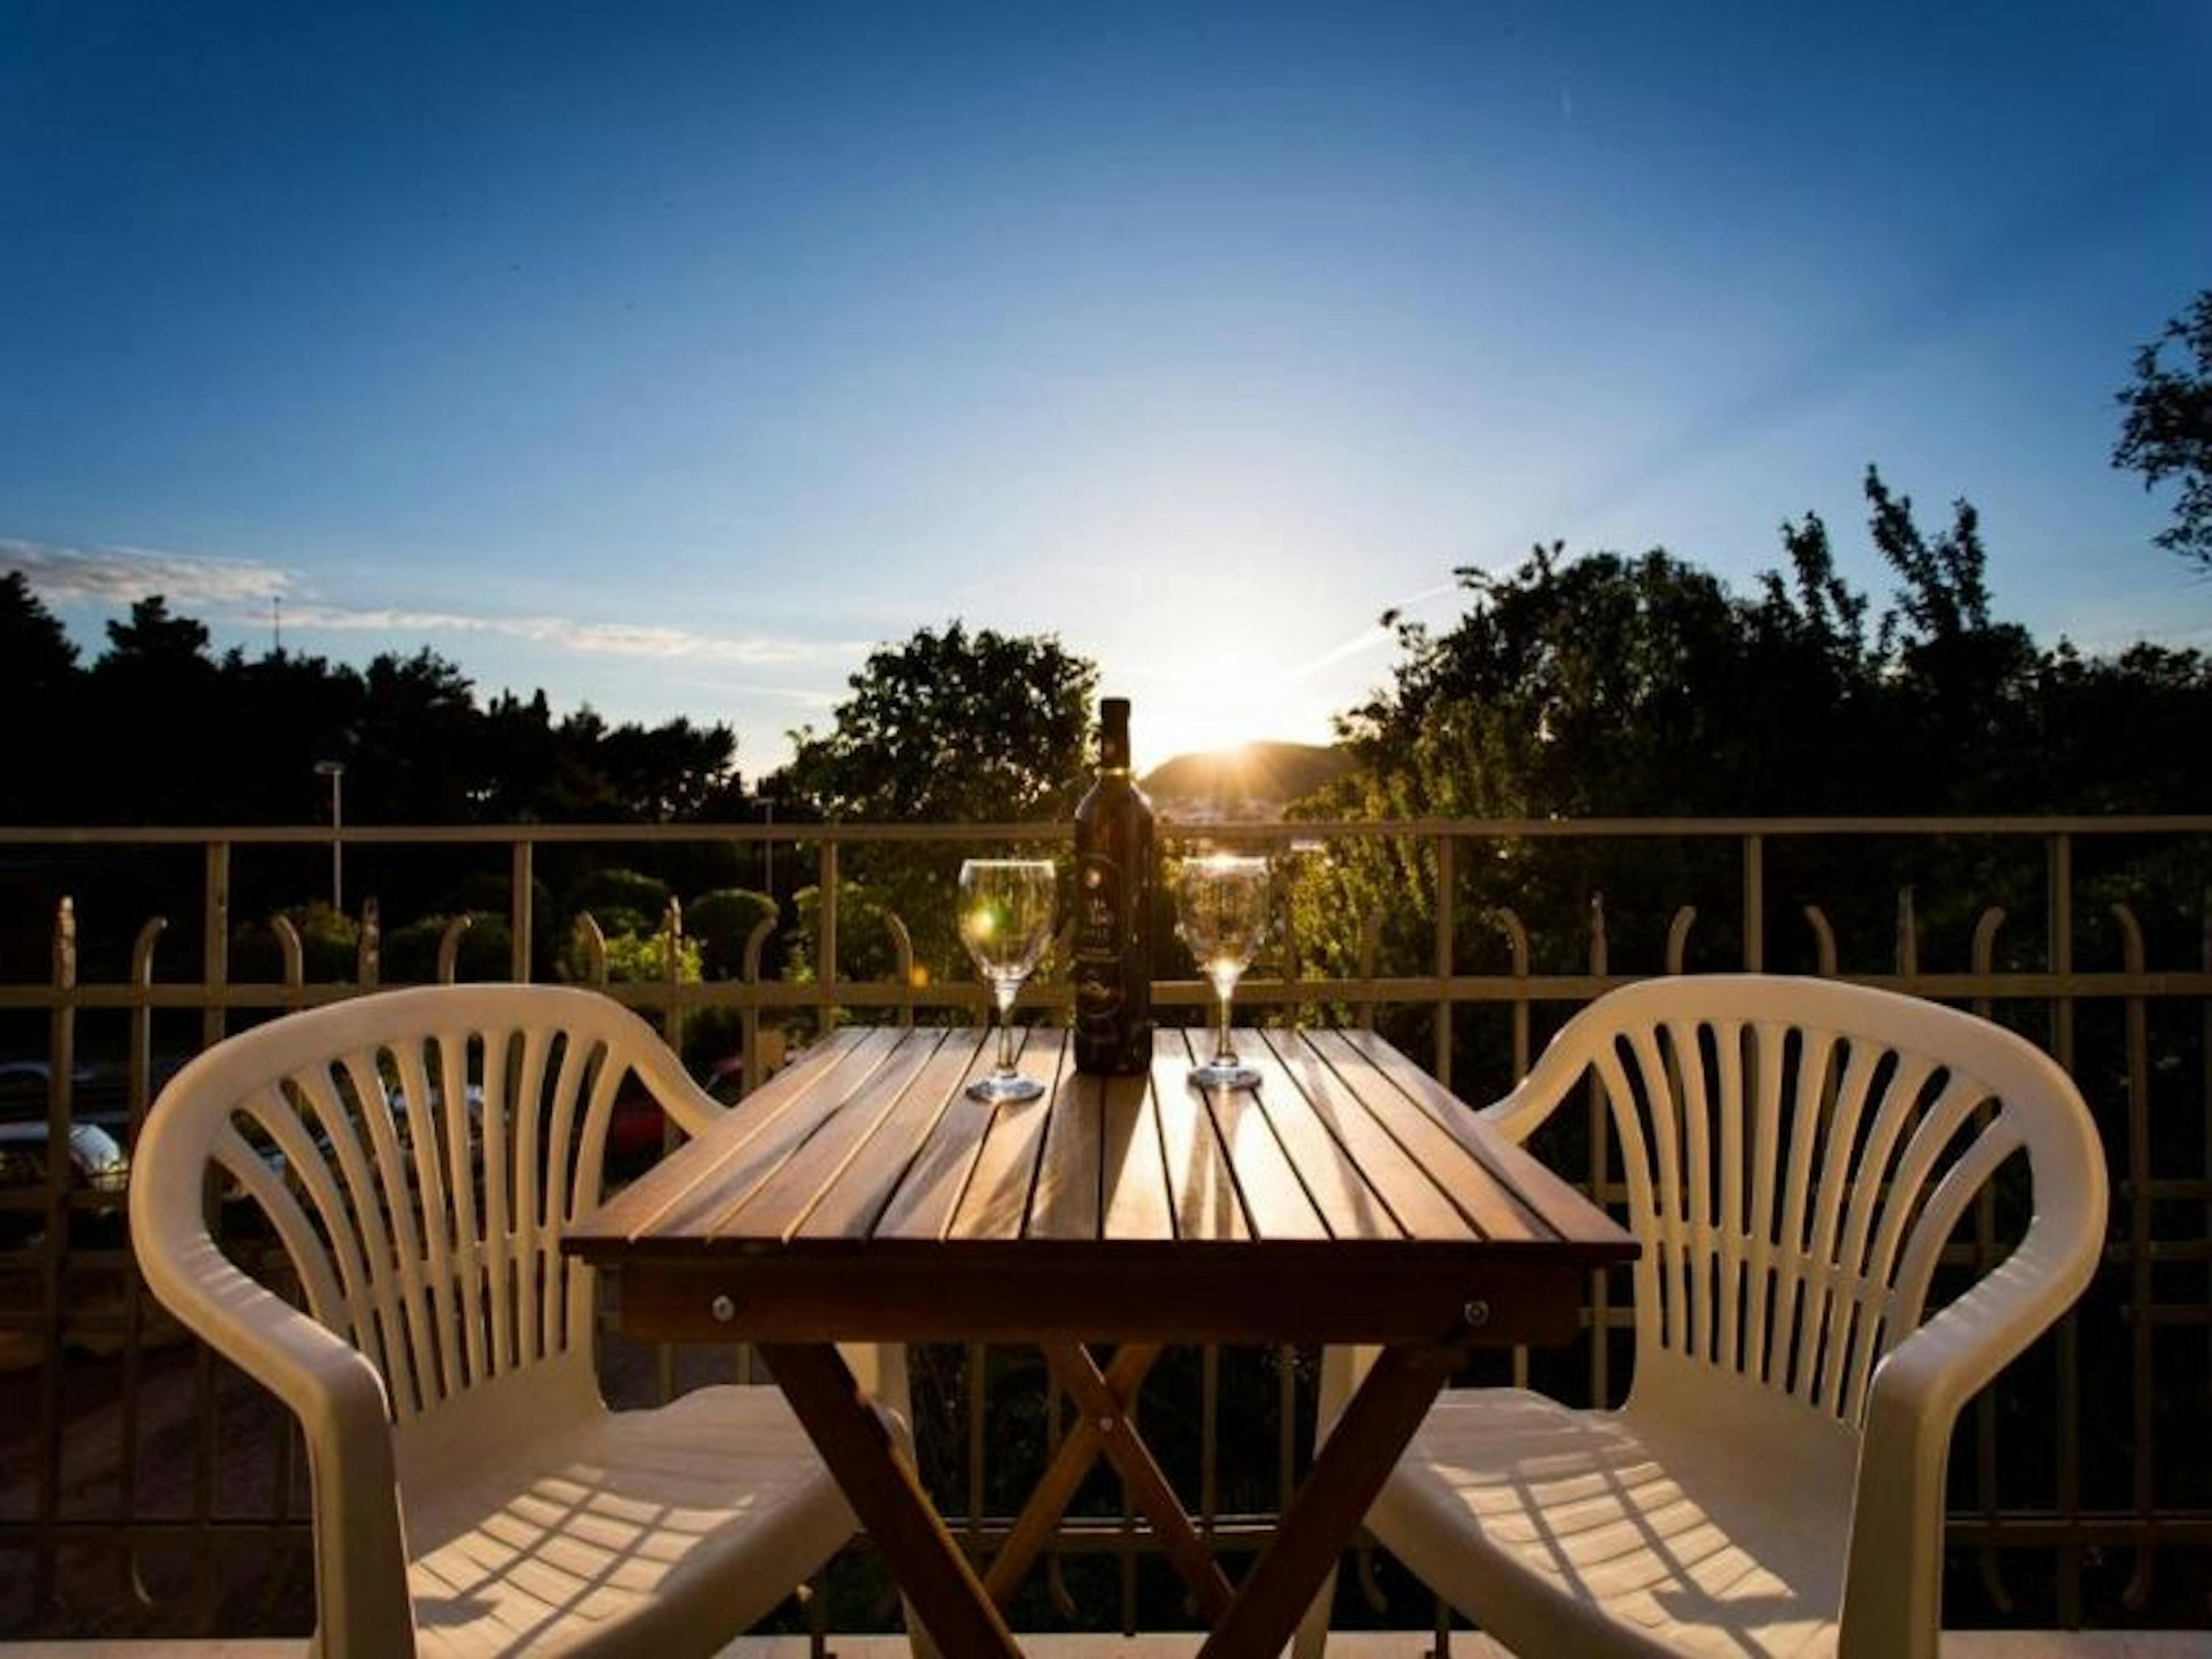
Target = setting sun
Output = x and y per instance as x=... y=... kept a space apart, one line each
x=1217 y=714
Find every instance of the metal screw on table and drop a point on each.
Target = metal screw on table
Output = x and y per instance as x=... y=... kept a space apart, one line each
x=723 y=1309
x=1476 y=1313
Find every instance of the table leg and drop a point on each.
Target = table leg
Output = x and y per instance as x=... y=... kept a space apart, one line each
x=1327 y=1509
x=880 y=1482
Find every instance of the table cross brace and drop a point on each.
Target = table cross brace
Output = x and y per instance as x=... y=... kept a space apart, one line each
x=1105 y=1425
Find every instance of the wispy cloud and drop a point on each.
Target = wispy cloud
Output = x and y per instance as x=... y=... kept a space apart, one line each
x=121 y=575
x=613 y=639
x=1375 y=634
x=240 y=591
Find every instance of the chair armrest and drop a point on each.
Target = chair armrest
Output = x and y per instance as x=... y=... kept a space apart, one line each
x=1519 y=1114
x=1893 y=1583
x=679 y=1097
x=361 y=1557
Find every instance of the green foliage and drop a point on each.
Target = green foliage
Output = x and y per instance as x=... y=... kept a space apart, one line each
x=1611 y=686
x=633 y=956
x=722 y=921
x=867 y=947
x=484 y=951
x=950 y=727
x=2168 y=430
x=607 y=892
x=145 y=736
x=329 y=946
x=38 y=672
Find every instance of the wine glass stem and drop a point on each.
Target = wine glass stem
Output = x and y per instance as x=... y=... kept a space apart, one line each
x=1223 y=1052
x=1005 y=991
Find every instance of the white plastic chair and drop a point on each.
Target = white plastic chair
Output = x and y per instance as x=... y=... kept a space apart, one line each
x=472 y=1494
x=1795 y=1154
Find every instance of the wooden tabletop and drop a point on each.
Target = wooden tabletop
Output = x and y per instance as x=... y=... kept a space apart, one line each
x=862 y=1195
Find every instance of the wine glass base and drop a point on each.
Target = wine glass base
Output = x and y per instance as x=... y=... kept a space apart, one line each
x=1214 y=1074
x=996 y=1089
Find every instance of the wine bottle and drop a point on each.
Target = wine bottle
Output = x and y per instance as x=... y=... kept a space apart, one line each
x=1114 y=864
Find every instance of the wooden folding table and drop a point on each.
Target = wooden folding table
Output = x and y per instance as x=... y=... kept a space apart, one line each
x=860 y=1196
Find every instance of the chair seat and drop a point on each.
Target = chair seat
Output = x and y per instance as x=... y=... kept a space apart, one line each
x=1564 y=1531
x=678 y=1524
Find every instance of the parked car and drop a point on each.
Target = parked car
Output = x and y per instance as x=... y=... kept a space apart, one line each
x=98 y=1162
x=99 y=1172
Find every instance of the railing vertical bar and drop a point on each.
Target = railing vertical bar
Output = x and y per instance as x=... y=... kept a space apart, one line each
x=215 y=972
x=1516 y=940
x=1209 y=1438
x=521 y=907
x=1985 y=1252
x=1754 y=904
x=826 y=975
x=978 y=1361
x=215 y=938
x=1447 y=894
x=128 y=1424
x=61 y=1071
x=2141 y=1292
x=2059 y=856
x=1601 y=1136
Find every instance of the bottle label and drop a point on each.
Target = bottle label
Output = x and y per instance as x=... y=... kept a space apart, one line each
x=1098 y=929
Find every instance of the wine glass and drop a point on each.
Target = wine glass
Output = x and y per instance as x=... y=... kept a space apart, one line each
x=1221 y=904
x=1006 y=917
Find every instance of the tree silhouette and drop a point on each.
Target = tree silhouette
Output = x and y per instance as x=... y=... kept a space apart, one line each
x=2168 y=430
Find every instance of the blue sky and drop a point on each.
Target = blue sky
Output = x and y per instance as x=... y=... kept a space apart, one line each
x=667 y=357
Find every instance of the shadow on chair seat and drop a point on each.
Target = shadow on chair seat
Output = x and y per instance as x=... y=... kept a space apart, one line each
x=717 y=1495
x=1540 y=1515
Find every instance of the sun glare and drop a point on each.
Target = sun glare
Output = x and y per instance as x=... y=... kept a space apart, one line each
x=1220 y=719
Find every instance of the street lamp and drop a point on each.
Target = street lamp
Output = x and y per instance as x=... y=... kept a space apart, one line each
x=335 y=771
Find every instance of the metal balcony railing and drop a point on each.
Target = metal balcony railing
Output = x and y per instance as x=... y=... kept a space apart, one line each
x=145 y=1488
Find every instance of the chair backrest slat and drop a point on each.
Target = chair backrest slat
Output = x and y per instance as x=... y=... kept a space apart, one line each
x=1770 y=1070
x=500 y=1102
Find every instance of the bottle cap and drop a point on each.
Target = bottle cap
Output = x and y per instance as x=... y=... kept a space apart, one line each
x=1113 y=733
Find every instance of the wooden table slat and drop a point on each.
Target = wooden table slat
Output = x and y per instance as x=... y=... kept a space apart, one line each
x=701 y=1212
x=1065 y=1202
x=922 y=1204
x=1401 y=1186
x=1275 y=1196
x=1464 y=1182
x=997 y=1201
x=888 y=1164
x=778 y=1204
x=1568 y=1213
x=648 y=1203
x=1133 y=1182
x=1207 y=1206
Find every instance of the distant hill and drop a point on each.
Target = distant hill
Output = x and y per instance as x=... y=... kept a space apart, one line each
x=1255 y=781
